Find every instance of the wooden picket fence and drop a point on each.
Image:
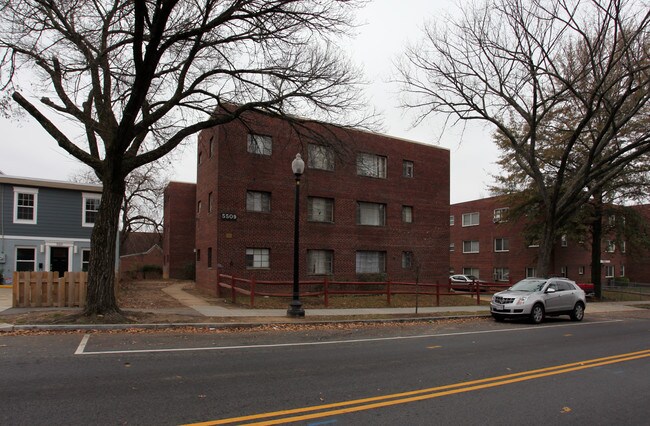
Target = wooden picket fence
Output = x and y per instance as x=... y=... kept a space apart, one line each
x=46 y=289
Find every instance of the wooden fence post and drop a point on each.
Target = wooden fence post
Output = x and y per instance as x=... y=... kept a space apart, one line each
x=253 y=293
x=218 y=286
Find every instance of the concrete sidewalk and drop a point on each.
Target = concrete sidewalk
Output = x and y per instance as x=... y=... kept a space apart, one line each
x=195 y=305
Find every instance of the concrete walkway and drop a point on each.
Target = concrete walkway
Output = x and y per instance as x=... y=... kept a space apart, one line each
x=204 y=308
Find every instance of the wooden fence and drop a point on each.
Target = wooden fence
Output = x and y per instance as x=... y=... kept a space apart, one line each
x=230 y=286
x=46 y=289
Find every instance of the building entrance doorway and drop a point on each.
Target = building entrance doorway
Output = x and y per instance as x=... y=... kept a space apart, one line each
x=59 y=259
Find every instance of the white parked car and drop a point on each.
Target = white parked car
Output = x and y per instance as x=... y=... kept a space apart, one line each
x=539 y=297
x=463 y=282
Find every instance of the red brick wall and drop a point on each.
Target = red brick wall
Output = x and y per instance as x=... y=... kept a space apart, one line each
x=231 y=171
x=131 y=265
x=520 y=256
x=179 y=229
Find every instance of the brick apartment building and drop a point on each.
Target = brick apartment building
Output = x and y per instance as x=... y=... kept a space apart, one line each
x=371 y=206
x=485 y=243
x=179 y=224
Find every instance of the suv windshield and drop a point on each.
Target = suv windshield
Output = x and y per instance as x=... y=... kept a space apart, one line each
x=528 y=285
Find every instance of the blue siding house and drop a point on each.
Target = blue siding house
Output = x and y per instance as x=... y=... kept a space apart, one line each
x=45 y=225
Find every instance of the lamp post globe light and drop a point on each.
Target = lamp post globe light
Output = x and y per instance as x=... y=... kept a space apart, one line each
x=295 y=307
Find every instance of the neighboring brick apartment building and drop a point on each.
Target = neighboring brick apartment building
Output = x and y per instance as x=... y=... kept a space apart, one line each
x=485 y=243
x=371 y=206
x=179 y=230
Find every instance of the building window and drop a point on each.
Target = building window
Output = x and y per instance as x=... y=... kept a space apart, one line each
x=198 y=255
x=320 y=209
x=210 y=202
x=581 y=270
x=563 y=240
x=470 y=219
x=25 y=259
x=91 y=204
x=209 y=257
x=320 y=157
x=371 y=262
x=259 y=144
x=471 y=271
x=563 y=271
x=610 y=246
x=407 y=214
x=320 y=262
x=622 y=273
x=501 y=244
x=407 y=169
x=531 y=272
x=25 y=205
x=501 y=274
x=210 y=147
x=257 y=201
x=371 y=165
x=372 y=214
x=452 y=246
x=470 y=246
x=451 y=220
x=533 y=243
x=85 y=259
x=609 y=271
x=407 y=259
x=622 y=246
x=198 y=207
x=501 y=215
x=257 y=258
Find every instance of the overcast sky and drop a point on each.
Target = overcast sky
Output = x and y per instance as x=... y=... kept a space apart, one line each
x=387 y=27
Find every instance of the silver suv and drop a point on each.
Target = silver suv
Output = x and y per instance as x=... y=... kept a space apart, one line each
x=538 y=297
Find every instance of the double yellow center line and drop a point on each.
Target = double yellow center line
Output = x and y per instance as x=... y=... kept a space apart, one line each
x=328 y=410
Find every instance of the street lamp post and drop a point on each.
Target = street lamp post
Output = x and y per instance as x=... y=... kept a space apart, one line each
x=295 y=307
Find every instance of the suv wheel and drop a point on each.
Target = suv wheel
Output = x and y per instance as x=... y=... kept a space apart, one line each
x=537 y=313
x=578 y=312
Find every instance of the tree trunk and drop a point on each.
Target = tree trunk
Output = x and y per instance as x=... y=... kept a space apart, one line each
x=596 y=237
x=545 y=254
x=100 y=298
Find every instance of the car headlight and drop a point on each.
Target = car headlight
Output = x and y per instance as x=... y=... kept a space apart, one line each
x=521 y=300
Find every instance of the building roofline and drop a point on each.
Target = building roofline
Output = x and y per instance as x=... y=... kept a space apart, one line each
x=46 y=183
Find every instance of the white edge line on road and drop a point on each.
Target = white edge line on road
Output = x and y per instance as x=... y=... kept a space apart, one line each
x=84 y=341
x=82 y=344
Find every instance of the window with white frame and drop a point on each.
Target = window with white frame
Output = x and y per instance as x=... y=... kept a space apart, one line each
x=320 y=262
x=371 y=262
x=258 y=258
x=320 y=209
x=563 y=240
x=531 y=272
x=85 y=259
x=622 y=246
x=470 y=219
x=25 y=205
x=609 y=271
x=471 y=271
x=25 y=259
x=452 y=246
x=258 y=201
x=372 y=214
x=371 y=165
x=563 y=271
x=210 y=202
x=610 y=246
x=533 y=243
x=407 y=259
x=581 y=270
x=501 y=215
x=501 y=274
x=451 y=220
x=260 y=144
x=407 y=214
x=320 y=157
x=622 y=273
x=470 y=246
x=407 y=168
x=91 y=204
x=501 y=244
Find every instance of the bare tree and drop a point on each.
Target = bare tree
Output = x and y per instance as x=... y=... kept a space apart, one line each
x=140 y=76
x=568 y=75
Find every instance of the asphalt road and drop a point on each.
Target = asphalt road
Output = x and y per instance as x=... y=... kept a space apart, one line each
x=458 y=372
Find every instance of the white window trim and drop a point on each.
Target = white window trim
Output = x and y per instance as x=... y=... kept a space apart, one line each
x=471 y=241
x=81 y=264
x=502 y=250
x=478 y=219
x=86 y=196
x=25 y=247
x=22 y=190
